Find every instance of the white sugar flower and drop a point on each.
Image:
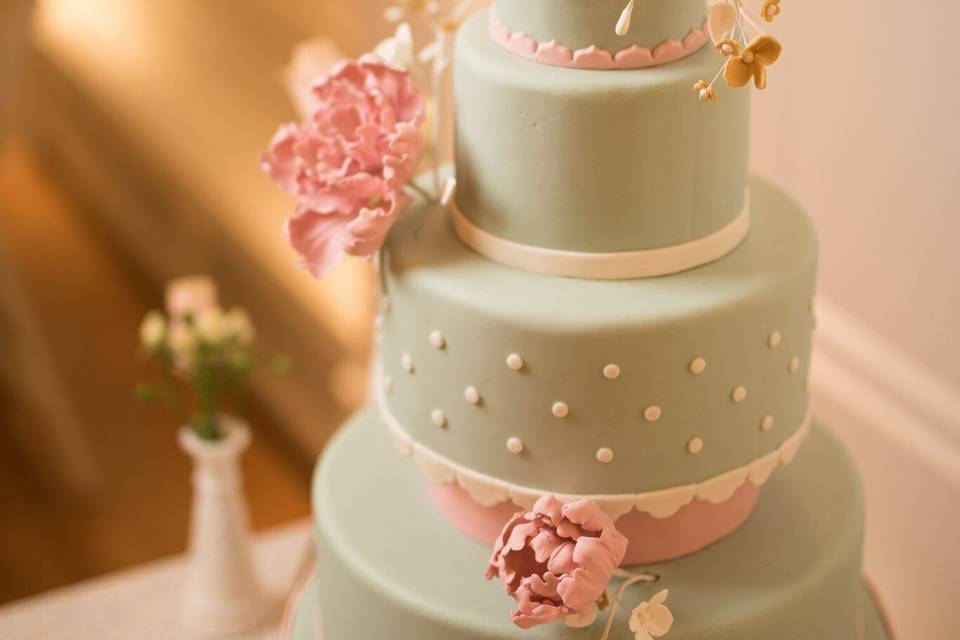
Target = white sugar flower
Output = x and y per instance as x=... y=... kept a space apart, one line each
x=403 y=9
x=651 y=619
x=212 y=327
x=183 y=345
x=577 y=621
x=153 y=330
x=437 y=52
x=237 y=326
x=397 y=50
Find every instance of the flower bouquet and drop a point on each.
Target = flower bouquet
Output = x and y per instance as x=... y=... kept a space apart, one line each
x=205 y=355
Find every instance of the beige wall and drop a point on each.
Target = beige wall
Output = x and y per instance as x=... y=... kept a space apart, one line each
x=859 y=123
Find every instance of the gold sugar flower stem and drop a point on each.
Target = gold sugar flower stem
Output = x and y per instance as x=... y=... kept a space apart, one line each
x=749 y=19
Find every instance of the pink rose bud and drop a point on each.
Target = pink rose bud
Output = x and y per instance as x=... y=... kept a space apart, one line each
x=191 y=295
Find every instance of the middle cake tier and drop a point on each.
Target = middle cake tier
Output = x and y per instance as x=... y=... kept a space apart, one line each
x=598 y=387
x=595 y=161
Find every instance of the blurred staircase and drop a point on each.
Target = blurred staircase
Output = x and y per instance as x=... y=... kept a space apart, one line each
x=153 y=113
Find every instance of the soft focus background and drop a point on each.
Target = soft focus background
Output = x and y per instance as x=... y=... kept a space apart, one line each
x=129 y=131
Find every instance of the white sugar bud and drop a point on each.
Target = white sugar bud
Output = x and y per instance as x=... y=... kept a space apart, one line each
x=153 y=330
x=239 y=327
x=212 y=326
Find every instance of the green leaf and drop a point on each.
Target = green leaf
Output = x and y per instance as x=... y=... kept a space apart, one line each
x=146 y=392
x=281 y=364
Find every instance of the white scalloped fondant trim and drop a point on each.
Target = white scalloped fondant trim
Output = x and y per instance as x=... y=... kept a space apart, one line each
x=620 y=265
x=593 y=57
x=489 y=491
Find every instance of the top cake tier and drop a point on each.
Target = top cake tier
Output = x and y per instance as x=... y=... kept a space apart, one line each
x=595 y=162
x=579 y=26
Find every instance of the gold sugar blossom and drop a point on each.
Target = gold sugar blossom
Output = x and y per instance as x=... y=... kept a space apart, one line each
x=752 y=62
x=705 y=92
x=729 y=23
x=729 y=47
x=770 y=10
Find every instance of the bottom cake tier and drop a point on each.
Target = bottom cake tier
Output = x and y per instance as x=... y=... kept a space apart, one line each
x=390 y=566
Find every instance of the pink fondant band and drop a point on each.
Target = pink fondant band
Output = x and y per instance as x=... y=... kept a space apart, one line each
x=652 y=539
x=593 y=57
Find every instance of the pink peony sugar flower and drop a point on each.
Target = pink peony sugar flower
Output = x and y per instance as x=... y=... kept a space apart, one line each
x=349 y=162
x=557 y=559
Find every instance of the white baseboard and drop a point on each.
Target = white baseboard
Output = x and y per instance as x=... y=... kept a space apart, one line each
x=882 y=362
x=902 y=424
x=874 y=381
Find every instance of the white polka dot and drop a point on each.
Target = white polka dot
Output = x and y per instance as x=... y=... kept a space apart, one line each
x=767 y=423
x=739 y=394
x=695 y=445
x=794 y=365
x=611 y=372
x=437 y=340
x=605 y=455
x=560 y=409
x=652 y=413
x=698 y=366
x=515 y=445
x=407 y=363
x=438 y=418
x=515 y=362
x=775 y=339
x=471 y=395
x=388 y=384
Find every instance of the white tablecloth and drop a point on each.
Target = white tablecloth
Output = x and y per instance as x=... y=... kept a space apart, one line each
x=143 y=603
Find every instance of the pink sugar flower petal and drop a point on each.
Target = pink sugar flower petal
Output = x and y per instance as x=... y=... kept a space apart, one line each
x=556 y=559
x=349 y=162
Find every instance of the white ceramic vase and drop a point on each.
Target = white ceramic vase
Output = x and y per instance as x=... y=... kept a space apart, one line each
x=222 y=595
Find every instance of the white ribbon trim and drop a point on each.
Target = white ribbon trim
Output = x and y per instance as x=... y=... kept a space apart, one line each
x=621 y=265
x=489 y=491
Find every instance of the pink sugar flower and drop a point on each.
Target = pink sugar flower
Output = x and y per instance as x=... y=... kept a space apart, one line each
x=349 y=162
x=557 y=559
x=190 y=296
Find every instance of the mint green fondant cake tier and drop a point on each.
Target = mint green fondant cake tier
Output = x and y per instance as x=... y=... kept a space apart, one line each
x=391 y=567
x=678 y=379
x=577 y=24
x=308 y=613
x=594 y=161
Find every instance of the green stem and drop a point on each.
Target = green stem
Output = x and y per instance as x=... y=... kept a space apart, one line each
x=170 y=383
x=423 y=193
x=208 y=393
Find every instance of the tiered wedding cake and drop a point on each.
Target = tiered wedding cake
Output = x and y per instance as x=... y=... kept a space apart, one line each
x=607 y=310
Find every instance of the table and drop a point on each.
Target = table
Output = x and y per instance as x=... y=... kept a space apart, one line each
x=143 y=602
